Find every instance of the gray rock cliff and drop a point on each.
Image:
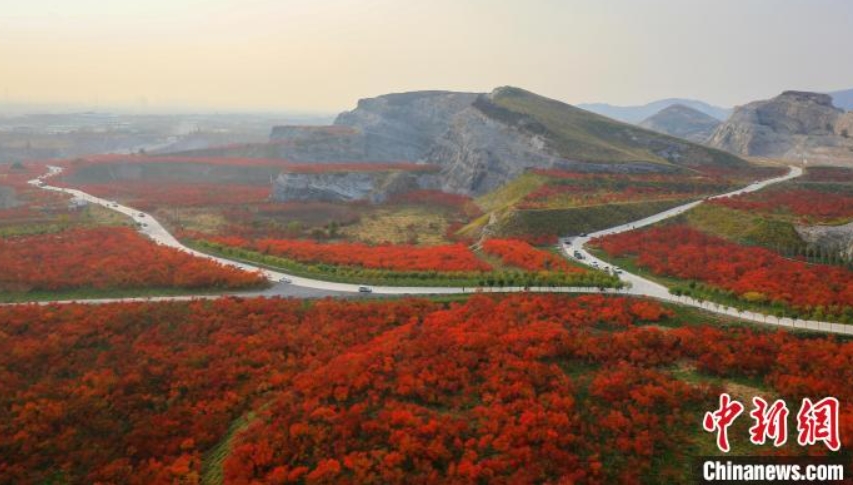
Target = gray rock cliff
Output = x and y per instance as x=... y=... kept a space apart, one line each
x=792 y=125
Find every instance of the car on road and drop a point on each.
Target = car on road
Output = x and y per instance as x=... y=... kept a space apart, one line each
x=140 y=215
x=365 y=289
x=578 y=255
x=285 y=279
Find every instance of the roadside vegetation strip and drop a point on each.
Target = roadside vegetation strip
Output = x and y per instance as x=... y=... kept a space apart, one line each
x=712 y=268
x=107 y=259
x=501 y=278
x=112 y=295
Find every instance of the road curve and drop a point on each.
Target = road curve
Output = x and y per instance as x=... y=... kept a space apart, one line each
x=308 y=287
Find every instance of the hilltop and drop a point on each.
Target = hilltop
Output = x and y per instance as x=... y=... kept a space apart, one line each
x=636 y=114
x=793 y=125
x=683 y=122
x=482 y=141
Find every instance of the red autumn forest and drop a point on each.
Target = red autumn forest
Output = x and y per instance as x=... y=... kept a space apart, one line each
x=108 y=258
x=812 y=204
x=149 y=195
x=522 y=255
x=400 y=257
x=381 y=392
x=342 y=166
x=683 y=252
x=436 y=198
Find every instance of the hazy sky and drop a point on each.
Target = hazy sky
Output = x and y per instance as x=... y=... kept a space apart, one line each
x=325 y=54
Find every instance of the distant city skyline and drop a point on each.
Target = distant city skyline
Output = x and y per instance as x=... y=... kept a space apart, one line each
x=323 y=55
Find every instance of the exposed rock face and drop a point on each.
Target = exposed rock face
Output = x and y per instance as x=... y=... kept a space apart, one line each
x=482 y=141
x=844 y=126
x=480 y=154
x=683 y=122
x=404 y=127
x=390 y=128
x=792 y=125
x=349 y=186
x=833 y=238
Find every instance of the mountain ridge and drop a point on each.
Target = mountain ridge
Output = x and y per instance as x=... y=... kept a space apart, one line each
x=683 y=122
x=483 y=140
x=637 y=113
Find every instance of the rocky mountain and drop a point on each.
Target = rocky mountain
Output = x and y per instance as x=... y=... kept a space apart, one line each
x=843 y=99
x=636 y=114
x=481 y=141
x=793 y=125
x=683 y=122
x=510 y=130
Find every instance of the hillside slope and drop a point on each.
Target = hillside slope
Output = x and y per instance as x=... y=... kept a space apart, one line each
x=482 y=141
x=511 y=130
x=683 y=122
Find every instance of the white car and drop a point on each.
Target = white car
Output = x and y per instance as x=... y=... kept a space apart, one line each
x=285 y=280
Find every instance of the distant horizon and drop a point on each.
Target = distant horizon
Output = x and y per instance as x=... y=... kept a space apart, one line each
x=321 y=56
x=69 y=108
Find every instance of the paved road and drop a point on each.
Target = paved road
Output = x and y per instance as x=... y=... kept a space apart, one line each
x=312 y=288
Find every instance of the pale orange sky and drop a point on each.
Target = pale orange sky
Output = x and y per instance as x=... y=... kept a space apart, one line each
x=322 y=55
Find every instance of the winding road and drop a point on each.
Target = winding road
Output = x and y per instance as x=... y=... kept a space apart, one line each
x=301 y=287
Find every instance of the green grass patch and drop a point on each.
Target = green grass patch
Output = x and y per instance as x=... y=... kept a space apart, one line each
x=552 y=223
x=212 y=472
x=744 y=228
x=95 y=294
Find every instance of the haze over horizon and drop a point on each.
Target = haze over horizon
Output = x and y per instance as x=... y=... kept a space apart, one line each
x=323 y=55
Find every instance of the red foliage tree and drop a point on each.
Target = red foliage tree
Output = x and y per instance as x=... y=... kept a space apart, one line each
x=399 y=257
x=683 y=252
x=522 y=255
x=108 y=258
